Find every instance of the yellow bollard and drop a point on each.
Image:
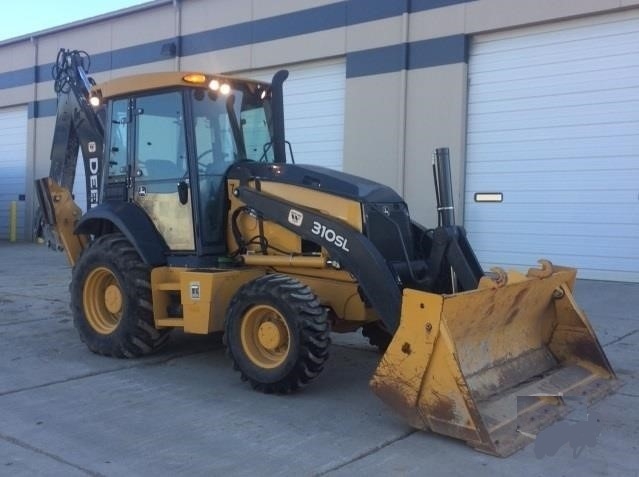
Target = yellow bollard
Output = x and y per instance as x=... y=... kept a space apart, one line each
x=13 y=216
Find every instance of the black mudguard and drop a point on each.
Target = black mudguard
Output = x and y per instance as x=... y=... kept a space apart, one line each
x=133 y=222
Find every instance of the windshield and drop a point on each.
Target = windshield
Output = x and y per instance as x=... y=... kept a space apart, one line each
x=227 y=129
x=231 y=128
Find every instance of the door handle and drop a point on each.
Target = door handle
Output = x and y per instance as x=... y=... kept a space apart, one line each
x=183 y=192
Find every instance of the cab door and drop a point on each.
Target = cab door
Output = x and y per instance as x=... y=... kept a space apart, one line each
x=117 y=186
x=160 y=173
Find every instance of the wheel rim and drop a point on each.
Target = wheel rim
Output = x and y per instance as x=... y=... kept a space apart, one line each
x=265 y=336
x=103 y=300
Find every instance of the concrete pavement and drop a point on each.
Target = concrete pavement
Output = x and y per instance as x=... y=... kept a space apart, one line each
x=184 y=411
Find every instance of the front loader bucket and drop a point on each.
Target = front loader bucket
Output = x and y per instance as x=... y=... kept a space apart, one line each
x=494 y=366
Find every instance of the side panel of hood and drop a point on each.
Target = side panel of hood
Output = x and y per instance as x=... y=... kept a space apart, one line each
x=317 y=178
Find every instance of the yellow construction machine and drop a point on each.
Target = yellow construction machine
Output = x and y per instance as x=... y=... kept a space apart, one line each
x=196 y=220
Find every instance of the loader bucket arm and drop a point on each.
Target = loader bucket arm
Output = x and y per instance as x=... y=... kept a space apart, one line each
x=494 y=366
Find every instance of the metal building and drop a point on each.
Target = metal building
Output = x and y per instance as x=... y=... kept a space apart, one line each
x=538 y=102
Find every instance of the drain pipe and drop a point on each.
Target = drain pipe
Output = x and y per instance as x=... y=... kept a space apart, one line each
x=177 y=6
x=30 y=210
x=403 y=96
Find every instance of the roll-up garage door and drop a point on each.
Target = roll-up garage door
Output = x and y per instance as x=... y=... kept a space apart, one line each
x=13 y=167
x=313 y=109
x=553 y=132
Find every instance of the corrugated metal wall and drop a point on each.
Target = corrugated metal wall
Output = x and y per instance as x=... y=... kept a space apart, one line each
x=13 y=167
x=553 y=124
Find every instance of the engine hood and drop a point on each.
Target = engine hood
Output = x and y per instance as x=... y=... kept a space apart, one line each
x=318 y=178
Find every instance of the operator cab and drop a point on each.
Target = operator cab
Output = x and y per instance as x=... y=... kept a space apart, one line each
x=168 y=150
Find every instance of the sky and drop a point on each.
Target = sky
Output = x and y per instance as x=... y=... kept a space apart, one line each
x=22 y=17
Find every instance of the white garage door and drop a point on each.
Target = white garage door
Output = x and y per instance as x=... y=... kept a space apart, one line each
x=13 y=166
x=314 y=110
x=553 y=125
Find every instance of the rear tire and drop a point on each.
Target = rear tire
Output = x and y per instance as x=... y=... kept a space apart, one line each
x=277 y=334
x=111 y=300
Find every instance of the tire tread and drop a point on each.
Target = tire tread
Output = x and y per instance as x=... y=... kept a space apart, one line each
x=313 y=325
x=136 y=334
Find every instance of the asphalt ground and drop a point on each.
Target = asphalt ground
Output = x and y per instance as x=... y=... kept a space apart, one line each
x=67 y=412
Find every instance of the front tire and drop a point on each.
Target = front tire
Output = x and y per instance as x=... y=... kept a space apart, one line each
x=111 y=300
x=277 y=334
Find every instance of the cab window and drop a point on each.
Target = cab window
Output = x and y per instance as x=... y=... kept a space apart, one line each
x=117 y=151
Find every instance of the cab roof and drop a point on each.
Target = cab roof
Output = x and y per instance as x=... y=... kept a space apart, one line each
x=152 y=81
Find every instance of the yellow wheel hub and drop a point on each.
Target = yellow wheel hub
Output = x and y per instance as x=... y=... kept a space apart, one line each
x=270 y=335
x=103 y=300
x=265 y=335
x=113 y=299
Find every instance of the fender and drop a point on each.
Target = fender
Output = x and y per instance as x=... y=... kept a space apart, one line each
x=133 y=222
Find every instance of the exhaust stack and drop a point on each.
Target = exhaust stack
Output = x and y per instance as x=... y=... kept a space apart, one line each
x=443 y=187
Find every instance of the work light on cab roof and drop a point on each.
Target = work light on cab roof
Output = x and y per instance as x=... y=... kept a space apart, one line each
x=214 y=84
x=95 y=99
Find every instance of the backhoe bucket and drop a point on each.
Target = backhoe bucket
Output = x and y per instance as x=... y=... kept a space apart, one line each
x=494 y=366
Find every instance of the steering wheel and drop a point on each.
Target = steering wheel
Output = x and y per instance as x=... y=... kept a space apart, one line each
x=202 y=167
x=202 y=154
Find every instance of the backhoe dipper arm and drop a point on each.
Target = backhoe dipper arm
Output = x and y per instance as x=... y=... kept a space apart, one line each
x=78 y=125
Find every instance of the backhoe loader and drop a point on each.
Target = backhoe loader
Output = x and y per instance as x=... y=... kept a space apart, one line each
x=196 y=220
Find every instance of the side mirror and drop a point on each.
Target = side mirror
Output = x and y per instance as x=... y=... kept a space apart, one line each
x=183 y=192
